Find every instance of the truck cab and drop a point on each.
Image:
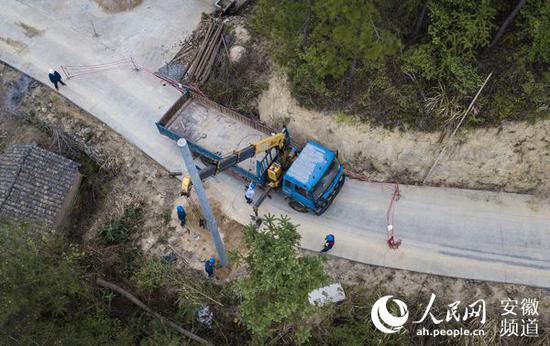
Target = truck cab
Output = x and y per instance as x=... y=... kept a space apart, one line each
x=314 y=179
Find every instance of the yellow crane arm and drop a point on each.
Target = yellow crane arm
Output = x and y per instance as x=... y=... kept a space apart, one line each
x=273 y=141
x=266 y=144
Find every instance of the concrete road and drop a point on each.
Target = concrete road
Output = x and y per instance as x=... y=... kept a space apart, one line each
x=36 y=35
x=468 y=234
x=459 y=233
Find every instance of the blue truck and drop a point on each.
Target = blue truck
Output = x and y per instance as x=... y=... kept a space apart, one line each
x=314 y=179
x=310 y=178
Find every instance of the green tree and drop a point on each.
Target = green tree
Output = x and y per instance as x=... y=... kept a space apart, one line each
x=275 y=291
x=537 y=30
x=325 y=45
x=456 y=30
x=344 y=42
x=284 y=23
x=44 y=296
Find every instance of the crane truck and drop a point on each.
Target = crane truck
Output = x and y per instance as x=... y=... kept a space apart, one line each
x=310 y=178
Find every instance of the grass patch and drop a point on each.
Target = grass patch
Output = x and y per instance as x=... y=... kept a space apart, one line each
x=119 y=230
x=166 y=216
x=347 y=119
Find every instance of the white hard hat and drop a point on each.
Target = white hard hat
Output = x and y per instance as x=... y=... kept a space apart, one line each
x=51 y=71
x=390 y=228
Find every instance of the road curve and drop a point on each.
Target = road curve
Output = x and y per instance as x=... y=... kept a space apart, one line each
x=460 y=233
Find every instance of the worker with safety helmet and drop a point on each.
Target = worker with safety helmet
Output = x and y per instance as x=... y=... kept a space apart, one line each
x=329 y=242
x=55 y=78
x=210 y=266
x=182 y=216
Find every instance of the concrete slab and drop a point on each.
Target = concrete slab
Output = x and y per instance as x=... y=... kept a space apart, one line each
x=328 y=294
x=468 y=234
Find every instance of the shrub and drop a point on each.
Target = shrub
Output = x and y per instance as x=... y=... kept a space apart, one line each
x=325 y=45
x=275 y=291
x=120 y=229
x=349 y=56
x=457 y=28
x=44 y=295
x=238 y=85
x=537 y=31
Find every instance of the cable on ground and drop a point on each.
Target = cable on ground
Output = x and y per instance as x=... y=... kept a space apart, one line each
x=71 y=71
x=392 y=241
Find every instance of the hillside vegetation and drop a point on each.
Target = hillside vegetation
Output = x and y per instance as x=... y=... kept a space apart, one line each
x=413 y=63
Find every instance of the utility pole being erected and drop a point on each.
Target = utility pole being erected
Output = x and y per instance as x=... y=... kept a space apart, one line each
x=203 y=200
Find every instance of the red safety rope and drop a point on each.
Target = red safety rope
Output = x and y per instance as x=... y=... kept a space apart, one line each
x=392 y=240
x=71 y=71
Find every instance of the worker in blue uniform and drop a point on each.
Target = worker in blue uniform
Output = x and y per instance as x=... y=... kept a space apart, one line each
x=329 y=243
x=182 y=216
x=209 y=266
x=287 y=136
x=55 y=78
x=249 y=194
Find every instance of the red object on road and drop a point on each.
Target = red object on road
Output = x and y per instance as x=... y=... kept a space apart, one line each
x=393 y=242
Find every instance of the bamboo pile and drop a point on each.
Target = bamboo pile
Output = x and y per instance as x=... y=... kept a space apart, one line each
x=191 y=44
x=201 y=65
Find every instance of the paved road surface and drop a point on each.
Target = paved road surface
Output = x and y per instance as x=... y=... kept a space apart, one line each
x=129 y=102
x=469 y=234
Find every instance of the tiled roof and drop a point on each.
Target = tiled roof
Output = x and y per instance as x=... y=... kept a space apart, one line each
x=34 y=183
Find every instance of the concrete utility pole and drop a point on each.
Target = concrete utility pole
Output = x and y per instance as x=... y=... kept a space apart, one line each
x=203 y=200
x=449 y=141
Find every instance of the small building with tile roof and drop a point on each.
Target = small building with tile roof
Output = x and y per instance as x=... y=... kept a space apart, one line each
x=37 y=185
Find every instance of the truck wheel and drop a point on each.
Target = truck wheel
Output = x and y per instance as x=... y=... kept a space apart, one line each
x=299 y=207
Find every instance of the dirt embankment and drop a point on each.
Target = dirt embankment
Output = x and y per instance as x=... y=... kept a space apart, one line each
x=514 y=157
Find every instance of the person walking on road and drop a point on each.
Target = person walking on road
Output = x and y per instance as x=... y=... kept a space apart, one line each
x=182 y=216
x=209 y=266
x=249 y=194
x=55 y=78
x=329 y=243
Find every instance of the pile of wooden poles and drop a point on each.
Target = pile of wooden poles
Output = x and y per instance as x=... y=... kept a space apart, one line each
x=201 y=65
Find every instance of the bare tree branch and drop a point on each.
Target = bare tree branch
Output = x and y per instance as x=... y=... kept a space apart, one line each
x=144 y=307
x=420 y=18
x=507 y=22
